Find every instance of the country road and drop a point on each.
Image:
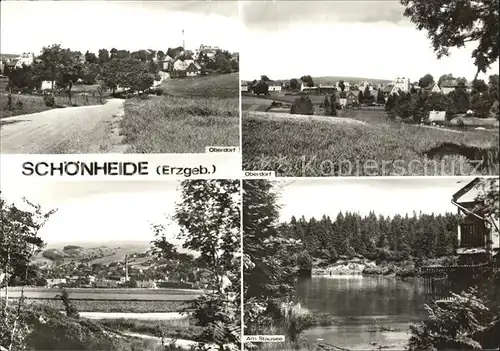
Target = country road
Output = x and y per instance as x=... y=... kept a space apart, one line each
x=70 y=130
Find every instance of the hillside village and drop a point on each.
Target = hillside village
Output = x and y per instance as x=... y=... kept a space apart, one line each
x=425 y=100
x=105 y=267
x=30 y=73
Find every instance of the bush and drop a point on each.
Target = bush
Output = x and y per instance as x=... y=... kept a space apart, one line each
x=302 y=106
x=460 y=122
x=159 y=91
x=49 y=100
x=452 y=325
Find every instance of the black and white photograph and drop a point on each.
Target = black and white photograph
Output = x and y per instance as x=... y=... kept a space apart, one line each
x=370 y=88
x=87 y=77
x=120 y=265
x=407 y=263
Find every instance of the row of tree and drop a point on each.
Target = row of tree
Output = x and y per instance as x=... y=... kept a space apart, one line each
x=131 y=70
x=398 y=237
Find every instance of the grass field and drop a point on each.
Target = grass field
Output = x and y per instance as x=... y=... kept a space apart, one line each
x=35 y=103
x=193 y=113
x=170 y=329
x=300 y=147
x=116 y=306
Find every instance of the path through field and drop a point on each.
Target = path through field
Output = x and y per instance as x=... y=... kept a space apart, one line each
x=86 y=129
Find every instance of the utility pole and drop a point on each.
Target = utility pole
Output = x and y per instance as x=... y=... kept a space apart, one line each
x=183 y=43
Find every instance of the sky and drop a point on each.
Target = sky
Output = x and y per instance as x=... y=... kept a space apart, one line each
x=371 y=39
x=129 y=25
x=316 y=197
x=98 y=211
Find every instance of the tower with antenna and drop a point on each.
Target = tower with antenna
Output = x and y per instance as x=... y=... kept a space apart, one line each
x=183 y=42
x=126 y=268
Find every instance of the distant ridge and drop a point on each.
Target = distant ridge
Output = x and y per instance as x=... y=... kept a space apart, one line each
x=330 y=80
x=9 y=56
x=334 y=79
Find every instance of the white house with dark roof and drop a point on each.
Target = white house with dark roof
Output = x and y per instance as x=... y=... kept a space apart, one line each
x=186 y=68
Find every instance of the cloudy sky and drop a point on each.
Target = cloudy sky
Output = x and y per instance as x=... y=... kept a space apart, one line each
x=27 y=26
x=98 y=211
x=372 y=39
x=384 y=196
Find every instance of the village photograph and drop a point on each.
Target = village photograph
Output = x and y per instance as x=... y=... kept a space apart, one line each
x=125 y=266
x=370 y=88
x=361 y=264
x=140 y=77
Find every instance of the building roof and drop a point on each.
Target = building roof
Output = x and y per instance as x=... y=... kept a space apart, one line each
x=183 y=65
x=388 y=89
x=472 y=190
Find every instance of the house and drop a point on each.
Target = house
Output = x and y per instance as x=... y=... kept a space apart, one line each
x=306 y=89
x=434 y=88
x=326 y=89
x=186 y=68
x=56 y=281
x=448 y=86
x=244 y=86
x=477 y=232
x=437 y=117
x=148 y=284
x=106 y=283
x=274 y=86
x=47 y=85
x=352 y=97
x=166 y=63
x=389 y=90
x=402 y=84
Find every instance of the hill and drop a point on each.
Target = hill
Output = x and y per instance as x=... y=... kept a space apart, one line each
x=330 y=80
x=105 y=254
x=8 y=56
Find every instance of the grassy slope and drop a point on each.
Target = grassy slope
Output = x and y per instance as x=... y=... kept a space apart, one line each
x=193 y=113
x=301 y=148
x=35 y=103
x=117 y=305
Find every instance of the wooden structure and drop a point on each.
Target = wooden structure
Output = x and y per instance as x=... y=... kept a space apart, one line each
x=478 y=246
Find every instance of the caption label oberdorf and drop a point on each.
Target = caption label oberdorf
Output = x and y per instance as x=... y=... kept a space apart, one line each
x=128 y=168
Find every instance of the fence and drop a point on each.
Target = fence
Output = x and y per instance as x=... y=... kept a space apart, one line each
x=439 y=281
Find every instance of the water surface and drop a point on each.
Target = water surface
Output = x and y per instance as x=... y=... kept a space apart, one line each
x=360 y=306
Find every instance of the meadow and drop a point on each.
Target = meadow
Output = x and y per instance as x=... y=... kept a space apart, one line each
x=23 y=104
x=318 y=147
x=191 y=114
x=115 y=306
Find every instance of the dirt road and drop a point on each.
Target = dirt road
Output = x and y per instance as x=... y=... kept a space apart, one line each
x=71 y=130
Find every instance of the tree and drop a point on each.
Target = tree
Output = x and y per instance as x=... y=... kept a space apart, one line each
x=127 y=73
x=444 y=77
x=452 y=325
x=209 y=221
x=426 y=80
x=19 y=244
x=103 y=56
x=367 y=96
x=90 y=57
x=360 y=97
x=53 y=62
x=341 y=85
x=455 y=23
x=160 y=55
x=294 y=84
x=493 y=86
x=380 y=97
x=460 y=99
x=308 y=81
